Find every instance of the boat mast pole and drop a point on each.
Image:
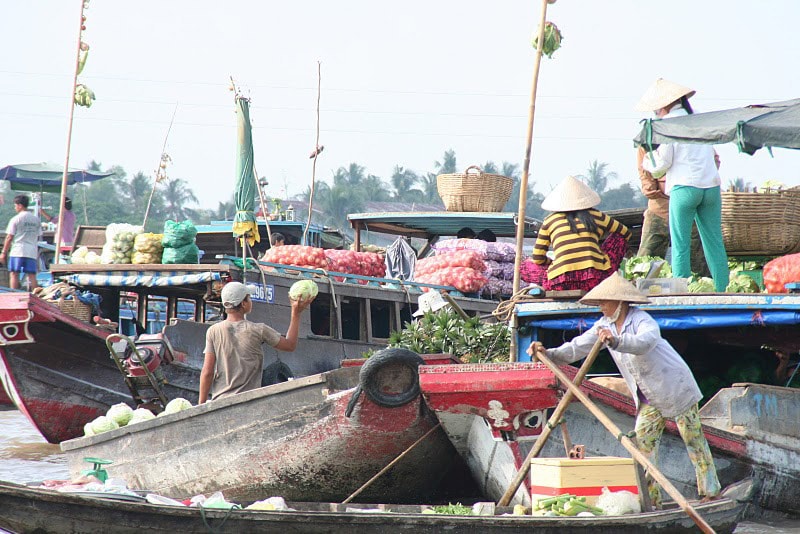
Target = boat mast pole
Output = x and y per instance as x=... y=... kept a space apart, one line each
x=65 y=174
x=523 y=185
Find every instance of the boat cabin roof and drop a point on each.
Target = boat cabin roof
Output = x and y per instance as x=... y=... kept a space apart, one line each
x=430 y=225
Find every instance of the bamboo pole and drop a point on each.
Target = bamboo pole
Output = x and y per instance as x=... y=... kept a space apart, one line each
x=631 y=447
x=392 y=463
x=523 y=185
x=549 y=427
x=161 y=172
x=316 y=155
x=65 y=174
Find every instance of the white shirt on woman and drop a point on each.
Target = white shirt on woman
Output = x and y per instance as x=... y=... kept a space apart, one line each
x=685 y=163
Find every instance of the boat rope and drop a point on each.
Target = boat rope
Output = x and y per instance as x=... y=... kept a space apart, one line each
x=505 y=310
x=351 y=405
x=333 y=289
x=218 y=528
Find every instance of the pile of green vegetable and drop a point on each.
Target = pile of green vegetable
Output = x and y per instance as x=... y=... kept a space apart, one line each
x=445 y=332
x=565 y=504
x=449 y=509
x=123 y=415
x=639 y=266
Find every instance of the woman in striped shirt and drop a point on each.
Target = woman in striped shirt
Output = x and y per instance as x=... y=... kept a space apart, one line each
x=588 y=245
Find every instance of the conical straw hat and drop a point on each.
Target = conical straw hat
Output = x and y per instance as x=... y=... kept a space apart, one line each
x=615 y=287
x=662 y=93
x=571 y=195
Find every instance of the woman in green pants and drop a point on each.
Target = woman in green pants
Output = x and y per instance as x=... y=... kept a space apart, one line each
x=692 y=183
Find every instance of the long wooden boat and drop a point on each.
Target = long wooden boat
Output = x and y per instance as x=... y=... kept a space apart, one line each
x=751 y=428
x=27 y=510
x=292 y=439
x=59 y=373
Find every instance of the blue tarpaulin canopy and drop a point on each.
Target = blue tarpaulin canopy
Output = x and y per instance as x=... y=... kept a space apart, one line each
x=46 y=177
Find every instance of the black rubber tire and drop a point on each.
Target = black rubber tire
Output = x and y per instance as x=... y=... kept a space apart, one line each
x=385 y=365
x=275 y=373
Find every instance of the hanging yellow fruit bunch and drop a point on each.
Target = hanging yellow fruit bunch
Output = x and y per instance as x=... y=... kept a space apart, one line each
x=552 y=39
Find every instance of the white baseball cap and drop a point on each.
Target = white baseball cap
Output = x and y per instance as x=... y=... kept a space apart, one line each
x=233 y=293
x=429 y=302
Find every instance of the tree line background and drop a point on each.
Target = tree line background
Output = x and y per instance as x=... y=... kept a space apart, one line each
x=123 y=199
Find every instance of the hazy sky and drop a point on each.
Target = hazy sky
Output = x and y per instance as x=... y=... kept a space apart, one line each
x=401 y=82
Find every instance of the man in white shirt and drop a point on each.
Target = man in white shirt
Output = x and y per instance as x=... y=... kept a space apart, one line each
x=21 y=246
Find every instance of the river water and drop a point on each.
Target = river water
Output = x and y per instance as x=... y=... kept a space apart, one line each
x=25 y=457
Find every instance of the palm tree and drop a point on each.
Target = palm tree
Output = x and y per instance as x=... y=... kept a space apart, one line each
x=430 y=190
x=375 y=189
x=352 y=175
x=403 y=181
x=137 y=191
x=596 y=176
x=490 y=167
x=176 y=194
x=225 y=211
x=448 y=163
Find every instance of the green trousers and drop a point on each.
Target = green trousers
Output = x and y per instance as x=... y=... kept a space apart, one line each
x=655 y=241
x=704 y=207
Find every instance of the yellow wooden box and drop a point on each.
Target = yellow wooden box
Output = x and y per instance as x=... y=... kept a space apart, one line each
x=584 y=478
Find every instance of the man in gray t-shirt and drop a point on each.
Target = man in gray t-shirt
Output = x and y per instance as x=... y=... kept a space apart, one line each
x=21 y=246
x=233 y=355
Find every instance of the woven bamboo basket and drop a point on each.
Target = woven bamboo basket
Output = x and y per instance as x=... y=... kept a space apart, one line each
x=761 y=223
x=74 y=307
x=474 y=191
x=57 y=294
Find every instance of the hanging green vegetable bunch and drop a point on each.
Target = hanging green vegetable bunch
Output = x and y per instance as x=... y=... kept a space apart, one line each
x=83 y=95
x=552 y=39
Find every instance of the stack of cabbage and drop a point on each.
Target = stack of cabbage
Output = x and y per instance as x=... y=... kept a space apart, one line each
x=147 y=248
x=179 y=245
x=119 y=242
x=82 y=255
x=123 y=415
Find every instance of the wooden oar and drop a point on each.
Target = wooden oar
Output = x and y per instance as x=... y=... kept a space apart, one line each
x=549 y=427
x=630 y=446
x=390 y=464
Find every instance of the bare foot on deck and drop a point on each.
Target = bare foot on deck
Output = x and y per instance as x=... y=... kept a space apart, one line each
x=710 y=498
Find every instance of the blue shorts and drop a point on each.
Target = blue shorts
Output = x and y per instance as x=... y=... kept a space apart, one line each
x=17 y=264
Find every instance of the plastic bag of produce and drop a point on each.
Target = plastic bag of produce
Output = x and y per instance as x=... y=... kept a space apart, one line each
x=297 y=255
x=178 y=234
x=142 y=258
x=458 y=258
x=148 y=242
x=618 y=502
x=464 y=279
x=183 y=254
x=781 y=271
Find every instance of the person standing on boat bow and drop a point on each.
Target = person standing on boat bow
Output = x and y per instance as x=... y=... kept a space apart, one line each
x=692 y=183
x=233 y=354
x=662 y=385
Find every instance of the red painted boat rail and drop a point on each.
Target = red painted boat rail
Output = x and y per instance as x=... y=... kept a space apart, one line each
x=511 y=397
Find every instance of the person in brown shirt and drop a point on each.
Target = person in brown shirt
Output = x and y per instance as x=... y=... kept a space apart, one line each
x=233 y=355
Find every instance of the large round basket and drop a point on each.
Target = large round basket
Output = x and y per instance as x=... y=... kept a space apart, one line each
x=761 y=224
x=474 y=190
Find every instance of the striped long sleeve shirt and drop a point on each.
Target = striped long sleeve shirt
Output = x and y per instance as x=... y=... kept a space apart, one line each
x=575 y=251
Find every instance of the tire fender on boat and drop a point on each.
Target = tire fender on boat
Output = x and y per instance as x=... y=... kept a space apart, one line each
x=390 y=378
x=275 y=373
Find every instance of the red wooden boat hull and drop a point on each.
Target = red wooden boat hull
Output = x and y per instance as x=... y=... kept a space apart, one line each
x=57 y=369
